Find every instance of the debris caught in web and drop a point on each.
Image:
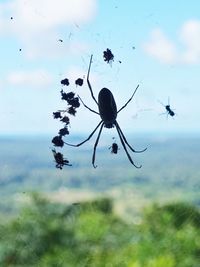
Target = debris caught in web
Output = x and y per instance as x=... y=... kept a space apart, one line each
x=67 y=96
x=64 y=131
x=65 y=119
x=57 y=115
x=57 y=141
x=79 y=82
x=108 y=56
x=71 y=110
x=65 y=82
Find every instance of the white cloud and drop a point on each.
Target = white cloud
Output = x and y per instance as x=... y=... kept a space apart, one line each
x=33 y=16
x=160 y=47
x=38 y=23
x=190 y=36
x=36 y=78
x=187 y=51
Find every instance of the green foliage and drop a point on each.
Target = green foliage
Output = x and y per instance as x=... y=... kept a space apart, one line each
x=172 y=230
x=88 y=234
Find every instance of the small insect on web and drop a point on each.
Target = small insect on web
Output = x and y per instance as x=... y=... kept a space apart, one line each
x=108 y=113
x=59 y=159
x=169 y=111
x=114 y=148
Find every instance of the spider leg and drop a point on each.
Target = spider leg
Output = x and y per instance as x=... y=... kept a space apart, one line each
x=87 y=106
x=95 y=146
x=168 y=100
x=88 y=136
x=124 y=146
x=124 y=138
x=163 y=113
x=129 y=99
x=161 y=103
x=88 y=82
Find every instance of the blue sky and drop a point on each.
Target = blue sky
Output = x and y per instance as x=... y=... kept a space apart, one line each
x=165 y=62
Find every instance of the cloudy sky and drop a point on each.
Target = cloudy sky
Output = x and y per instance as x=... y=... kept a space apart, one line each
x=156 y=44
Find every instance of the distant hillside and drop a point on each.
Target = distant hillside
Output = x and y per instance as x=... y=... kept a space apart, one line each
x=170 y=169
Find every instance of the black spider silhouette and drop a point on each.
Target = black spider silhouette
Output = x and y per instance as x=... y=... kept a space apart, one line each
x=108 y=113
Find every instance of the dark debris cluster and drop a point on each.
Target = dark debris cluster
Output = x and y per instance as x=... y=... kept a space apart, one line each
x=79 y=82
x=73 y=103
x=65 y=82
x=108 y=56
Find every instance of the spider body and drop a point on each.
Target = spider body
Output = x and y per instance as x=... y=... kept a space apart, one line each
x=108 y=113
x=107 y=107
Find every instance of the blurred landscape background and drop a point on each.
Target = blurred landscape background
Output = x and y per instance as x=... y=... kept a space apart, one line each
x=114 y=214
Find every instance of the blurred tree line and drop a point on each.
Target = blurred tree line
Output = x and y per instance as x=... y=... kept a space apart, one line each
x=47 y=234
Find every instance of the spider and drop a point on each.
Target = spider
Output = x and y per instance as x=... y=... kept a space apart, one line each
x=108 y=113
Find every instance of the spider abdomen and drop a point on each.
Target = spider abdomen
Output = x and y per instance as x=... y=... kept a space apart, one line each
x=107 y=107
